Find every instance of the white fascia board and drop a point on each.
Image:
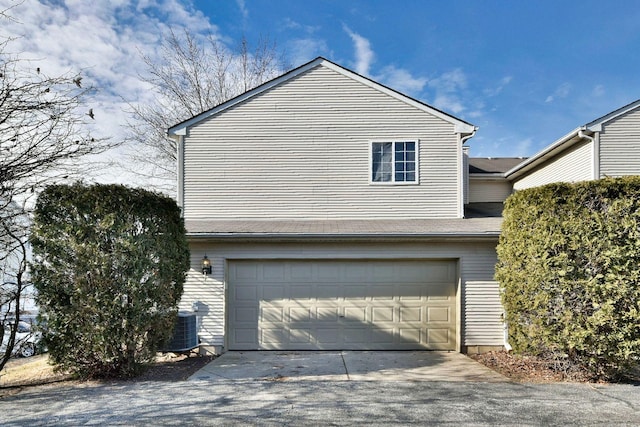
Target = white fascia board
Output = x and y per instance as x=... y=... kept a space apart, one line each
x=596 y=125
x=181 y=128
x=487 y=176
x=547 y=152
x=460 y=126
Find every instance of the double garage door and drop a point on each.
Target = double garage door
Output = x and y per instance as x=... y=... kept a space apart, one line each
x=341 y=304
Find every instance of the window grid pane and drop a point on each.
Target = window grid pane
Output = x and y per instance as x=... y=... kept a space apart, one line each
x=405 y=161
x=393 y=161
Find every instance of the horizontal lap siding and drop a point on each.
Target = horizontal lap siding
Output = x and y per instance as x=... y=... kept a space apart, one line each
x=620 y=146
x=573 y=165
x=483 y=314
x=482 y=191
x=301 y=151
x=476 y=264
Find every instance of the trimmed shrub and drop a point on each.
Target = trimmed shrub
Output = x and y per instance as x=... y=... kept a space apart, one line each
x=110 y=264
x=569 y=268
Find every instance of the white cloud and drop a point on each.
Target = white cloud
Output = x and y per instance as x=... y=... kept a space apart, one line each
x=102 y=41
x=304 y=50
x=490 y=92
x=448 y=103
x=242 y=5
x=561 y=91
x=363 y=51
x=598 y=90
x=290 y=24
x=402 y=80
x=447 y=89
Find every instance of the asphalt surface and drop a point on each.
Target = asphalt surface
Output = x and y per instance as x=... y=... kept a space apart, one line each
x=273 y=402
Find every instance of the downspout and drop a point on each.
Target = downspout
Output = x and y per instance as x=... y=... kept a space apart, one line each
x=595 y=151
x=462 y=173
x=180 y=171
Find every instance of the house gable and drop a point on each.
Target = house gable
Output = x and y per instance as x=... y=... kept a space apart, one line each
x=299 y=148
x=607 y=146
x=619 y=144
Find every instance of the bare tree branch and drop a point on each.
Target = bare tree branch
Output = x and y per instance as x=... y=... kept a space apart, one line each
x=44 y=139
x=191 y=75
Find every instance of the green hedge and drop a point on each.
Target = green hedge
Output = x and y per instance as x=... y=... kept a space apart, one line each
x=569 y=268
x=109 y=267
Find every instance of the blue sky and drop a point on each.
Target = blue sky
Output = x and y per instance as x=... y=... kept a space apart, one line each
x=525 y=72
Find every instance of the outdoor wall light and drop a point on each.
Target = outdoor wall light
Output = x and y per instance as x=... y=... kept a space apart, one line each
x=206 y=266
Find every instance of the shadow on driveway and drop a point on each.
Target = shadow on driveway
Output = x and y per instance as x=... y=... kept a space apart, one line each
x=346 y=366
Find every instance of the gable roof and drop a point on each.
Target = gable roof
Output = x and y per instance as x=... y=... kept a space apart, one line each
x=460 y=125
x=569 y=140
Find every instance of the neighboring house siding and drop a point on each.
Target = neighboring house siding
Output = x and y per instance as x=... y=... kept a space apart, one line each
x=620 y=146
x=476 y=262
x=483 y=314
x=575 y=164
x=301 y=151
x=482 y=191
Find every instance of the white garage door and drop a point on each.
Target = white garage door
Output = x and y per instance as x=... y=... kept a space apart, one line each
x=342 y=304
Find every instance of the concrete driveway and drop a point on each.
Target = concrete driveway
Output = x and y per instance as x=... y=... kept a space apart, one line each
x=346 y=366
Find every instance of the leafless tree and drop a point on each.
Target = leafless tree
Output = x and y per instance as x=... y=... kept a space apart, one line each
x=44 y=139
x=191 y=75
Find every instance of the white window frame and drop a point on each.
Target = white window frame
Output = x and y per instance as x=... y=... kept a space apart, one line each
x=393 y=162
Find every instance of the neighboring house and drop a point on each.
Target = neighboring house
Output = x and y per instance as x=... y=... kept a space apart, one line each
x=332 y=210
x=608 y=146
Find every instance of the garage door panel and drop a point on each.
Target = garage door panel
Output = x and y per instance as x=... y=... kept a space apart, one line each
x=438 y=336
x=246 y=315
x=355 y=292
x=273 y=293
x=409 y=335
x=327 y=292
x=382 y=336
x=327 y=314
x=382 y=314
x=302 y=272
x=272 y=314
x=300 y=314
x=358 y=335
x=410 y=314
x=342 y=304
x=438 y=314
x=300 y=336
x=245 y=336
x=247 y=293
x=328 y=335
x=273 y=273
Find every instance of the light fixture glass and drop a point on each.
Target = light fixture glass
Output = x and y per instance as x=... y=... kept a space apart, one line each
x=206 y=265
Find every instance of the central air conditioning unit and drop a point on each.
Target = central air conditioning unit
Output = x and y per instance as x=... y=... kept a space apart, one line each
x=185 y=333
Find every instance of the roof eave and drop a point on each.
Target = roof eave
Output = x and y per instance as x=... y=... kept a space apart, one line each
x=294 y=237
x=495 y=176
x=559 y=145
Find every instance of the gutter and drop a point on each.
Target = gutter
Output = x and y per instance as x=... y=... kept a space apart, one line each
x=548 y=152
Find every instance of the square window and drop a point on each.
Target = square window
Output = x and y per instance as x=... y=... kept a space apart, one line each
x=394 y=162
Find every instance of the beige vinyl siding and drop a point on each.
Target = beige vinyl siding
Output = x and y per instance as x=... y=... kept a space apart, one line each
x=476 y=261
x=620 y=146
x=483 y=314
x=301 y=151
x=572 y=165
x=483 y=190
